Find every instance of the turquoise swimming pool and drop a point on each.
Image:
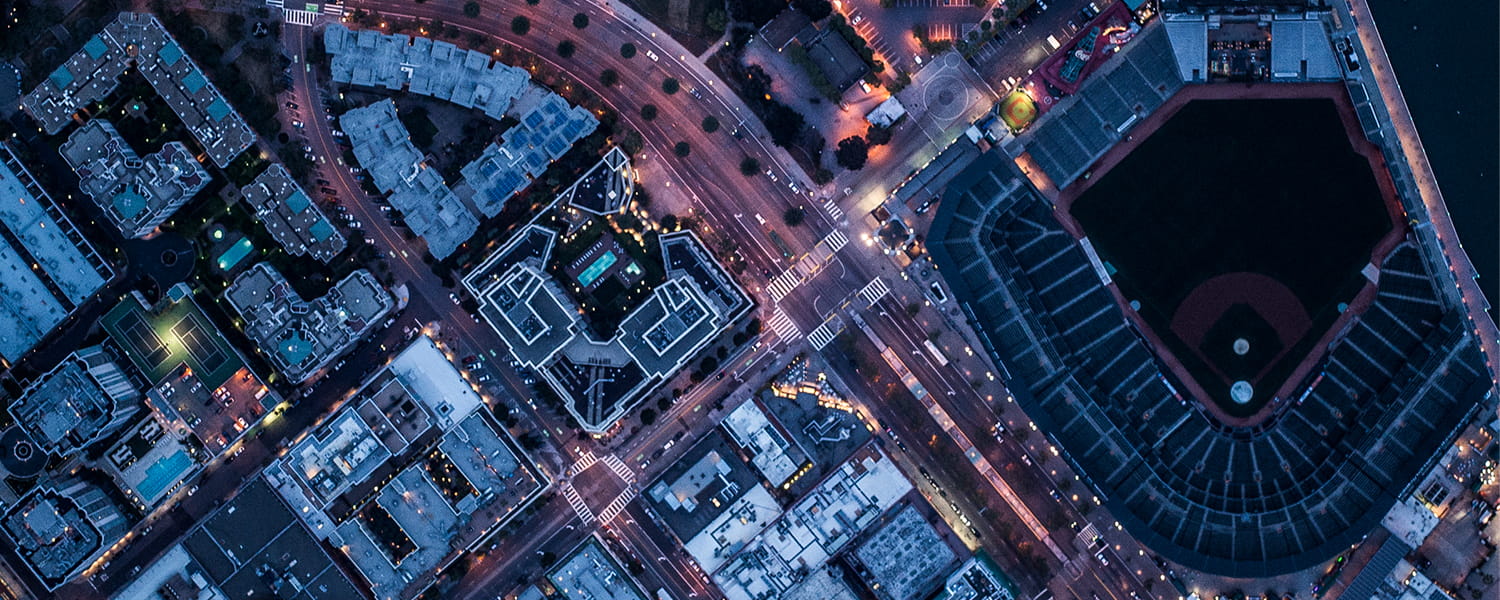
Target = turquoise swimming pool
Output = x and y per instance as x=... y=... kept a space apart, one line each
x=163 y=473
x=601 y=264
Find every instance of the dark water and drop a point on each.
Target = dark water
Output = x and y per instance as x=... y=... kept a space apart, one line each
x=1445 y=57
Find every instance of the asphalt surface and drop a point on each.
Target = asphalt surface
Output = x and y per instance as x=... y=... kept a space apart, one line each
x=728 y=202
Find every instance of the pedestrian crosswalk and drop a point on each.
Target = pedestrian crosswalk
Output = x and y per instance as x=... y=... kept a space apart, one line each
x=825 y=333
x=617 y=505
x=585 y=460
x=577 y=503
x=783 y=326
x=619 y=468
x=294 y=16
x=836 y=240
x=874 y=291
x=833 y=209
x=783 y=284
x=274 y=3
x=934 y=4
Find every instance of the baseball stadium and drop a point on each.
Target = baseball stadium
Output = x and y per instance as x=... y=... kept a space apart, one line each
x=1214 y=302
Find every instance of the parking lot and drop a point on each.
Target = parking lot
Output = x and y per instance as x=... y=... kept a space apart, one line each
x=1016 y=49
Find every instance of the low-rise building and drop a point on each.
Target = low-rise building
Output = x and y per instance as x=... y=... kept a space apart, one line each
x=606 y=188
x=592 y=573
x=771 y=450
x=814 y=529
x=79 y=402
x=978 y=579
x=291 y=217
x=300 y=336
x=252 y=546
x=139 y=41
x=47 y=268
x=905 y=559
x=57 y=531
x=430 y=208
x=425 y=67
x=544 y=134
x=136 y=194
x=408 y=475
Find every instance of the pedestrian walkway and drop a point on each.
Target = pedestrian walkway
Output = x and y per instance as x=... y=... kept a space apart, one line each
x=783 y=326
x=618 y=505
x=586 y=460
x=783 y=284
x=834 y=212
x=836 y=240
x=619 y=467
x=294 y=16
x=874 y=291
x=825 y=333
x=577 y=503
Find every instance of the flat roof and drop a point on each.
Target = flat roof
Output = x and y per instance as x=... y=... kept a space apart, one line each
x=702 y=485
x=543 y=134
x=771 y=451
x=906 y=557
x=135 y=193
x=140 y=40
x=290 y=216
x=302 y=336
x=592 y=573
x=254 y=546
x=815 y=528
x=36 y=300
x=425 y=66
x=70 y=408
x=541 y=324
x=382 y=146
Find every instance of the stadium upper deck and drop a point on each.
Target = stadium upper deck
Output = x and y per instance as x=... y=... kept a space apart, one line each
x=1240 y=501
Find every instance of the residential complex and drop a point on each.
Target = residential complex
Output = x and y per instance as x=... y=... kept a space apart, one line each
x=600 y=380
x=138 y=41
x=409 y=474
x=546 y=131
x=291 y=217
x=59 y=532
x=301 y=336
x=425 y=67
x=431 y=209
x=86 y=398
x=135 y=194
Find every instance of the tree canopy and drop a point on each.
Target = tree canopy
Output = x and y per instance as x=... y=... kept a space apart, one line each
x=852 y=153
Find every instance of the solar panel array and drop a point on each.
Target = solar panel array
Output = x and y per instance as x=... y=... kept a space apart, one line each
x=544 y=134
